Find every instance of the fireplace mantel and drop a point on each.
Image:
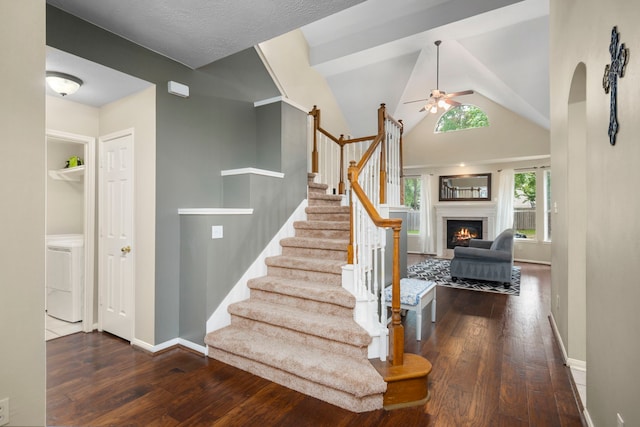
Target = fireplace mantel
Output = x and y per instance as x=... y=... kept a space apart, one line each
x=460 y=210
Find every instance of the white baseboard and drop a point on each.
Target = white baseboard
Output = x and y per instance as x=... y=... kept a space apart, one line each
x=167 y=344
x=579 y=365
x=572 y=363
x=556 y=332
x=193 y=346
x=532 y=261
x=587 y=417
x=220 y=317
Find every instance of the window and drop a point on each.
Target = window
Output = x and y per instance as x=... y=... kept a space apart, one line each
x=547 y=205
x=529 y=187
x=462 y=117
x=524 y=204
x=412 y=186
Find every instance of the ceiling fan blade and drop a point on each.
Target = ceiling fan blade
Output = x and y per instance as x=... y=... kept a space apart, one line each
x=417 y=100
x=452 y=102
x=464 y=92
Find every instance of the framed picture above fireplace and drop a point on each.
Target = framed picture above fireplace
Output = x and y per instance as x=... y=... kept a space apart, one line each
x=474 y=187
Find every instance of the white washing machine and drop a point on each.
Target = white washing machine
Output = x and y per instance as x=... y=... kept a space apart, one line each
x=65 y=276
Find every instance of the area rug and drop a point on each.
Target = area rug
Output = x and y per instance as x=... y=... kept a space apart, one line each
x=438 y=271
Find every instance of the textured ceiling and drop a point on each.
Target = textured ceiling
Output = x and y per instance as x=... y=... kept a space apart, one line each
x=370 y=52
x=198 y=32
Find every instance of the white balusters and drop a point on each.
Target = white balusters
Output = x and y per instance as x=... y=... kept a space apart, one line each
x=368 y=247
x=394 y=172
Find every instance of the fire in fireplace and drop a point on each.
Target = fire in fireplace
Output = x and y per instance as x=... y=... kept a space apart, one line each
x=459 y=232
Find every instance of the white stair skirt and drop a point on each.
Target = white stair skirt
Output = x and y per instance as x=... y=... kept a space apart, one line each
x=366 y=315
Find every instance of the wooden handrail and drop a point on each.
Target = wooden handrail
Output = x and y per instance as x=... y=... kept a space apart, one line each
x=328 y=135
x=396 y=330
x=361 y=139
x=367 y=154
x=366 y=203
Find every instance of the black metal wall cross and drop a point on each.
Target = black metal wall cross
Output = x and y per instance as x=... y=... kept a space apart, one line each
x=619 y=58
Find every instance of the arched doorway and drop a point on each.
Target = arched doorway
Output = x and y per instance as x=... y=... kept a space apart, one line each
x=577 y=186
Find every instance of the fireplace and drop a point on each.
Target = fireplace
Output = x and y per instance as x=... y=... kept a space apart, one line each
x=459 y=232
x=484 y=212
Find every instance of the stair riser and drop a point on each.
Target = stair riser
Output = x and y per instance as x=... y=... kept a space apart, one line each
x=328 y=216
x=313 y=276
x=316 y=201
x=314 y=253
x=322 y=225
x=299 y=337
x=318 y=190
x=327 y=209
x=305 y=304
x=302 y=385
x=323 y=234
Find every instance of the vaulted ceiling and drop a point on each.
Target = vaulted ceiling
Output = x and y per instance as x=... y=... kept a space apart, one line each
x=370 y=51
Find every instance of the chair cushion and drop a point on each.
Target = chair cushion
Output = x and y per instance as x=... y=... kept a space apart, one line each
x=410 y=290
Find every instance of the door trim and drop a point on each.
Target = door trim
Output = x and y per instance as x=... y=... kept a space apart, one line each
x=101 y=249
x=89 y=217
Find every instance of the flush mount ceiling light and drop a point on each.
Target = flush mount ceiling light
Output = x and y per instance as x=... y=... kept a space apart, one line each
x=64 y=84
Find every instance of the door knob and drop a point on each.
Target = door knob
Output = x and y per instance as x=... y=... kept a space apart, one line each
x=126 y=249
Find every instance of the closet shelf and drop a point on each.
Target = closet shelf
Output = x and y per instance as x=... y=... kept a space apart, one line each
x=68 y=174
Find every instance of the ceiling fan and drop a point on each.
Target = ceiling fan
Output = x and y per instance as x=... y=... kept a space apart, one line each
x=439 y=98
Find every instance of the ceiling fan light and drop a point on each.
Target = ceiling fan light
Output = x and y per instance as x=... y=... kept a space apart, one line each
x=64 y=84
x=442 y=104
x=446 y=106
x=434 y=109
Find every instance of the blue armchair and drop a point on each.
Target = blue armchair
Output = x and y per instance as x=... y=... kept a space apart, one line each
x=485 y=259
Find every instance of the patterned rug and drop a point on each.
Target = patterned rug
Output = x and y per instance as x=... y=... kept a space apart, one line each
x=438 y=271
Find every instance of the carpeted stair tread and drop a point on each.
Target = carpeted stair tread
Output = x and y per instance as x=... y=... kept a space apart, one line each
x=322 y=225
x=304 y=289
x=330 y=327
x=315 y=243
x=354 y=376
x=308 y=264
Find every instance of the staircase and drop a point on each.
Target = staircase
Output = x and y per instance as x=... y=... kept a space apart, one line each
x=297 y=328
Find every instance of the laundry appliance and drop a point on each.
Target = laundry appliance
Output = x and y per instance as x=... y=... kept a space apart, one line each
x=65 y=276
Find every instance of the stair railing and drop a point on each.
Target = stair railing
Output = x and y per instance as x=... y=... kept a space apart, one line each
x=329 y=154
x=374 y=181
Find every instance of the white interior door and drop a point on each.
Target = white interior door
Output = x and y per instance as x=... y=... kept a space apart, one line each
x=117 y=254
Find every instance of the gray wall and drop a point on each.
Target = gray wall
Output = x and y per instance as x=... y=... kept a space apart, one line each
x=210 y=268
x=214 y=129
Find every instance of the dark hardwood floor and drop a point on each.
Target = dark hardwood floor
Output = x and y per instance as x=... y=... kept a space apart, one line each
x=495 y=363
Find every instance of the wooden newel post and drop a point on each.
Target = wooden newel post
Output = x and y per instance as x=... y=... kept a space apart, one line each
x=396 y=330
x=316 y=124
x=352 y=174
